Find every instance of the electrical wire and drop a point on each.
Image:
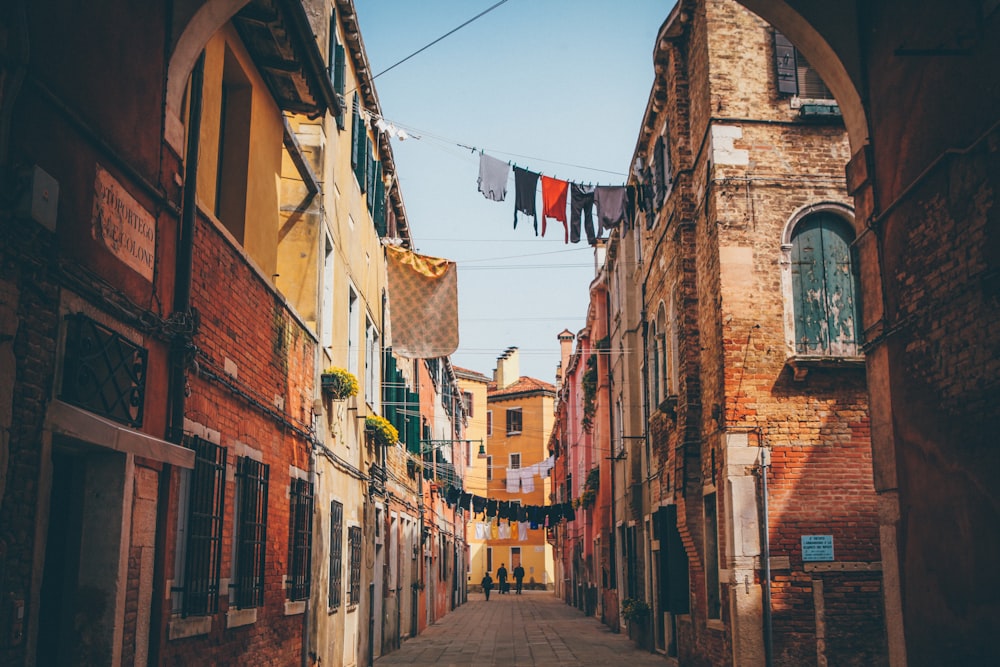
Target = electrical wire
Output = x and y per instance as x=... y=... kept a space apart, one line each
x=447 y=34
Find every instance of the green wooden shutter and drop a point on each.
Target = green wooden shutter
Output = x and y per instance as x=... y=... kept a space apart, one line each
x=378 y=212
x=355 y=134
x=339 y=79
x=784 y=60
x=824 y=288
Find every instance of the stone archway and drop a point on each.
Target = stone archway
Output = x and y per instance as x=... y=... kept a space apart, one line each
x=203 y=24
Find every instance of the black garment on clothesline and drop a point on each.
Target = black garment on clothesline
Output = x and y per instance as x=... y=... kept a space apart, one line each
x=525 y=188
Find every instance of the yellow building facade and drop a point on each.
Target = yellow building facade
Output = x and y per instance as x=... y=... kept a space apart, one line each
x=519 y=419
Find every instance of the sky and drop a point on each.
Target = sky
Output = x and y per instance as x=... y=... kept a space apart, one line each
x=555 y=86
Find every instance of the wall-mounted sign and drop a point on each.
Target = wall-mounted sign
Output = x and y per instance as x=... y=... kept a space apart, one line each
x=817 y=548
x=123 y=225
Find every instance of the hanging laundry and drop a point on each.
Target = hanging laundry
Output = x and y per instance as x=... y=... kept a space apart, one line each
x=481 y=533
x=464 y=501
x=545 y=467
x=503 y=509
x=495 y=530
x=504 y=531
x=631 y=203
x=581 y=210
x=522 y=513
x=525 y=185
x=522 y=531
x=554 y=194
x=569 y=512
x=424 y=304
x=528 y=479
x=610 y=202
x=478 y=504
x=491 y=508
x=513 y=480
x=493 y=176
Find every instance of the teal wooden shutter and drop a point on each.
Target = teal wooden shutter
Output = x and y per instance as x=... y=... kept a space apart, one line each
x=787 y=71
x=824 y=288
x=339 y=79
x=378 y=212
x=355 y=135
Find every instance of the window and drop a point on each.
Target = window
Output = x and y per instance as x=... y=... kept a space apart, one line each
x=300 y=539
x=662 y=176
x=712 y=557
x=515 y=460
x=393 y=552
x=824 y=287
x=795 y=75
x=515 y=557
x=467 y=402
x=234 y=147
x=489 y=423
x=361 y=147
x=673 y=351
x=353 y=307
x=489 y=468
x=489 y=559
x=326 y=322
x=336 y=553
x=373 y=371
x=251 y=532
x=337 y=59
x=653 y=366
x=354 y=544
x=514 y=421
x=206 y=499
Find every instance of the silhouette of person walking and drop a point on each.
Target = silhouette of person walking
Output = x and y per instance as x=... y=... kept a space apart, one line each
x=502 y=579
x=487 y=583
x=519 y=577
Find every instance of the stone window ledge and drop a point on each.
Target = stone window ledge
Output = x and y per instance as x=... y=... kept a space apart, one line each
x=239 y=617
x=193 y=626
x=802 y=364
x=296 y=607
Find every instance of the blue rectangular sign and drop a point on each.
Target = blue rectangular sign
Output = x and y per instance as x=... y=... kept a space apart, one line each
x=817 y=548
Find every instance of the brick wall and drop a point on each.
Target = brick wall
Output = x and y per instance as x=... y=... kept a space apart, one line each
x=265 y=405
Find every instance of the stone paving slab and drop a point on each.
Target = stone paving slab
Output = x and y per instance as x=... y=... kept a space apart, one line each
x=534 y=628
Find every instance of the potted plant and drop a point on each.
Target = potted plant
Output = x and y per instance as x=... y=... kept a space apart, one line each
x=635 y=610
x=381 y=430
x=338 y=383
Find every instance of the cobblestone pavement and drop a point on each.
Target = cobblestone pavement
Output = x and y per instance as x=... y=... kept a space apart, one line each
x=535 y=628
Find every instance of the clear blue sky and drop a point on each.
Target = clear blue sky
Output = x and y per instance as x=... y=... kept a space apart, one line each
x=555 y=86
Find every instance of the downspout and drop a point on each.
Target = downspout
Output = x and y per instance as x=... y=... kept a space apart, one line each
x=181 y=343
x=765 y=456
x=185 y=257
x=614 y=455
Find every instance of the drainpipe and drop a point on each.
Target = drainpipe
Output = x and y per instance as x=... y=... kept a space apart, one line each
x=176 y=390
x=765 y=456
x=185 y=256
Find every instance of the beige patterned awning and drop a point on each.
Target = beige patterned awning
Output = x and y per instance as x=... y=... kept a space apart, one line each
x=423 y=302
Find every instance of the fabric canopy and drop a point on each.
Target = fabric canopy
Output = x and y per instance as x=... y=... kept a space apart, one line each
x=423 y=294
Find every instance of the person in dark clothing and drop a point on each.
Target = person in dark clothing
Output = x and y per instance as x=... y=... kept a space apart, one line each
x=519 y=577
x=502 y=579
x=487 y=584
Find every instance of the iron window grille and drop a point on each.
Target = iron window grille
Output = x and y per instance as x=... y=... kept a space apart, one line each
x=336 y=552
x=103 y=372
x=354 y=544
x=206 y=502
x=251 y=532
x=300 y=540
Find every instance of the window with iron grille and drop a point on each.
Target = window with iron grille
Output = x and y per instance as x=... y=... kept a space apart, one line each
x=336 y=553
x=354 y=544
x=300 y=539
x=251 y=532
x=206 y=500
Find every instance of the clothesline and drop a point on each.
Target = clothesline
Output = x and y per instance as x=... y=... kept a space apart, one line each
x=615 y=204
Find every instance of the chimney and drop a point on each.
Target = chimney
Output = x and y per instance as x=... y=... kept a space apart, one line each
x=565 y=350
x=508 y=369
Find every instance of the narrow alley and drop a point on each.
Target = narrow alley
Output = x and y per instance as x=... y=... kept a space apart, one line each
x=535 y=628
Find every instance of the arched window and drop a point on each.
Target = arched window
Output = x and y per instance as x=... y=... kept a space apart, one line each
x=653 y=365
x=825 y=287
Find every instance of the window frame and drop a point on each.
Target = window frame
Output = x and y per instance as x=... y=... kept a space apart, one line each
x=202 y=553
x=250 y=533
x=300 y=499
x=354 y=544
x=336 y=574
x=511 y=413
